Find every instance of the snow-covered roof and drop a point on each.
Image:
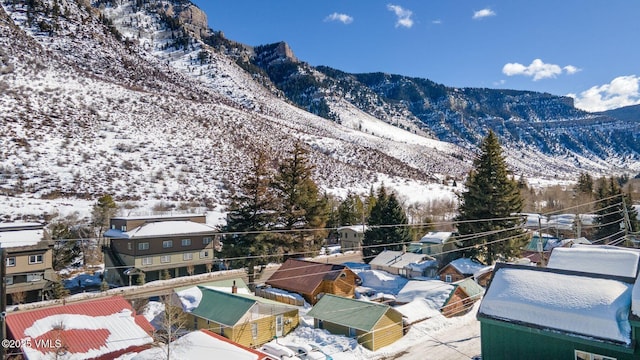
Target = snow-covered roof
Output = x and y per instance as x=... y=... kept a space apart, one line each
x=434 y=292
x=466 y=266
x=201 y=344
x=635 y=298
x=161 y=228
x=595 y=259
x=436 y=237
x=20 y=234
x=576 y=304
x=89 y=329
x=397 y=259
x=354 y=228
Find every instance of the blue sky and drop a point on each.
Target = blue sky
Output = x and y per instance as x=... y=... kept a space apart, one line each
x=584 y=48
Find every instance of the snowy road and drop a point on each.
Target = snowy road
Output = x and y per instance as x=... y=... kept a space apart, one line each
x=453 y=343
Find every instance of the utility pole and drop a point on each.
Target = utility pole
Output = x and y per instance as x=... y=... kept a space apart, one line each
x=3 y=299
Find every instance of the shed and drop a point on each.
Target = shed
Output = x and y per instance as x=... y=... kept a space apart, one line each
x=372 y=324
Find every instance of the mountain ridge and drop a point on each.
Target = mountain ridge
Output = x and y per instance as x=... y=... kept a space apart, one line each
x=115 y=97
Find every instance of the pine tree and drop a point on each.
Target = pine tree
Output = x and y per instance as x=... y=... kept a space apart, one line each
x=350 y=211
x=387 y=226
x=102 y=212
x=491 y=194
x=300 y=203
x=252 y=210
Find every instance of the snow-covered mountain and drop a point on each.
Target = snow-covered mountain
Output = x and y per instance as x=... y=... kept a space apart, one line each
x=139 y=99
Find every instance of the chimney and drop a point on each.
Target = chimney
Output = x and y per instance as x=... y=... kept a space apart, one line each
x=234 y=288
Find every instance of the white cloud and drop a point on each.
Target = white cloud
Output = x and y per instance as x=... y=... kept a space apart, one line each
x=537 y=69
x=481 y=14
x=343 y=18
x=403 y=15
x=437 y=22
x=621 y=91
x=570 y=69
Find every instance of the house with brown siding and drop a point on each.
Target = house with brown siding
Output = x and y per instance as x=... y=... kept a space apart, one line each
x=29 y=273
x=245 y=319
x=147 y=246
x=372 y=324
x=460 y=269
x=312 y=280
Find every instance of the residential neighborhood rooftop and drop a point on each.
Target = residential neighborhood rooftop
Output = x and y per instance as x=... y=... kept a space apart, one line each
x=568 y=302
x=161 y=228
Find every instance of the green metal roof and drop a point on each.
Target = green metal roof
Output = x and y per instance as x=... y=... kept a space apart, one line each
x=228 y=309
x=470 y=287
x=356 y=314
x=221 y=307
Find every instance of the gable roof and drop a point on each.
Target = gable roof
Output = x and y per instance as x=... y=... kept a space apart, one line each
x=466 y=266
x=88 y=329
x=470 y=287
x=398 y=259
x=303 y=276
x=228 y=309
x=355 y=314
x=570 y=302
x=596 y=259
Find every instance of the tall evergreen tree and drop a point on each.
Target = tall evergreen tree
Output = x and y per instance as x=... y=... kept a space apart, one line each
x=252 y=210
x=492 y=195
x=300 y=203
x=102 y=212
x=387 y=226
x=351 y=210
x=611 y=219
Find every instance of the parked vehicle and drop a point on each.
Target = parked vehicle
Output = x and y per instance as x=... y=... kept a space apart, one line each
x=309 y=352
x=279 y=351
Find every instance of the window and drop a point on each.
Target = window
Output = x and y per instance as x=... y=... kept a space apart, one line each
x=254 y=330
x=352 y=332
x=143 y=246
x=11 y=261
x=447 y=278
x=35 y=259
x=34 y=277
x=113 y=226
x=9 y=280
x=186 y=242
x=123 y=228
x=583 y=355
x=167 y=243
x=206 y=240
x=187 y=256
x=204 y=254
x=129 y=246
x=147 y=261
x=165 y=258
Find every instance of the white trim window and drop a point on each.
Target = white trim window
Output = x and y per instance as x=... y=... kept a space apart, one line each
x=143 y=246
x=11 y=261
x=206 y=240
x=254 y=330
x=147 y=260
x=8 y=280
x=204 y=254
x=36 y=259
x=186 y=242
x=448 y=278
x=187 y=256
x=167 y=244
x=165 y=259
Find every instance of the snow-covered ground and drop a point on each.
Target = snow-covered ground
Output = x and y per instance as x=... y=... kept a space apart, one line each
x=442 y=338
